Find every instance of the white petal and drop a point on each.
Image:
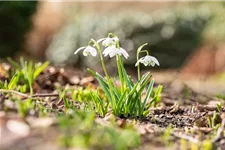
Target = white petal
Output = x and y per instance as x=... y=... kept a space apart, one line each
x=106 y=51
x=125 y=54
x=112 y=54
x=90 y=50
x=79 y=49
x=148 y=61
x=152 y=59
x=108 y=42
x=139 y=61
x=110 y=51
x=94 y=53
x=155 y=60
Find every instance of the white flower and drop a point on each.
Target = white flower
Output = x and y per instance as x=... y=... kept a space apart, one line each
x=147 y=61
x=108 y=41
x=87 y=50
x=112 y=51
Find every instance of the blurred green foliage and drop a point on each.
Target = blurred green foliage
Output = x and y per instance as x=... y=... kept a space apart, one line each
x=172 y=33
x=80 y=130
x=15 y=22
x=215 y=29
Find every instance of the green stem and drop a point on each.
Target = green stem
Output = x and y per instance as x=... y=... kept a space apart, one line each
x=119 y=66
x=138 y=67
x=105 y=71
x=101 y=58
x=120 y=72
x=138 y=52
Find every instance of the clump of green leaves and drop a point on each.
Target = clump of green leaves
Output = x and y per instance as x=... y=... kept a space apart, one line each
x=80 y=130
x=25 y=106
x=125 y=99
x=220 y=96
x=128 y=101
x=86 y=99
x=213 y=120
x=25 y=73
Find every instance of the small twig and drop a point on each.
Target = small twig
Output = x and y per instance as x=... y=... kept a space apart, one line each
x=46 y=95
x=30 y=96
x=15 y=92
x=186 y=137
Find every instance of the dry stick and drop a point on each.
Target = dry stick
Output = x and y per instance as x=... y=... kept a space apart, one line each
x=218 y=136
x=15 y=92
x=29 y=96
x=186 y=137
x=46 y=95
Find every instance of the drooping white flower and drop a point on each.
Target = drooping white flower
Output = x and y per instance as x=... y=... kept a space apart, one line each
x=87 y=51
x=148 y=61
x=108 y=41
x=112 y=51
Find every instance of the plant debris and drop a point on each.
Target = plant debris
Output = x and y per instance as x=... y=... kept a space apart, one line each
x=46 y=120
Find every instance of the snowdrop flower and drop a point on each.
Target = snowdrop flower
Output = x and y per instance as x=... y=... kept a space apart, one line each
x=108 y=41
x=112 y=51
x=87 y=51
x=147 y=61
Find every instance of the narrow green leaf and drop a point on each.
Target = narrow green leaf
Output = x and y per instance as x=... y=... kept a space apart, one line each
x=133 y=104
x=143 y=78
x=116 y=93
x=158 y=93
x=39 y=69
x=100 y=102
x=1 y=85
x=144 y=84
x=119 y=66
x=104 y=86
x=22 y=62
x=122 y=99
x=92 y=72
x=14 y=63
x=148 y=93
x=133 y=89
x=127 y=79
x=66 y=102
x=130 y=95
x=13 y=82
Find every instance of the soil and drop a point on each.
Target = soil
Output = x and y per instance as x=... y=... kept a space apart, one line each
x=182 y=112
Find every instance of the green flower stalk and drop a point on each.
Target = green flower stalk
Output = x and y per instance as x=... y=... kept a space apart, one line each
x=125 y=100
x=147 y=60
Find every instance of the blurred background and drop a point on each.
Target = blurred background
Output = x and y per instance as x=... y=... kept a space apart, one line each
x=188 y=37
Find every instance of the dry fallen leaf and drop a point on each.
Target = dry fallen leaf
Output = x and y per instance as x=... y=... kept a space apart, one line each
x=40 y=122
x=18 y=127
x=74 y=80
x=86 y=80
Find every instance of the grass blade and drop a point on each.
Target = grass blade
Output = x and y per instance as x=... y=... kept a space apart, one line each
x=15 y=64
x=104 y=85
x=91 y=72
x=39 y=69
x=13 y=82
x=148 y=93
